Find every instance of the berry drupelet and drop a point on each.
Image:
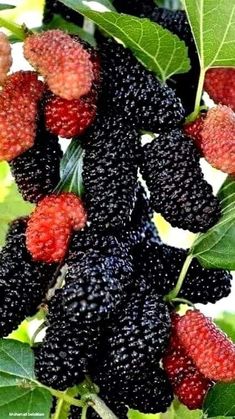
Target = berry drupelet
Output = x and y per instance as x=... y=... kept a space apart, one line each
x=174 y=177
x=110 y=171
x=37 y=171
x=135 y=93
x=23 y=282
x=160 y=266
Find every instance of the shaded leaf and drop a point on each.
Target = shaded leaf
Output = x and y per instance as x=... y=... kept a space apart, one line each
x=6 y=6
x=157 y=48
x=220 y=401
x=216 y=247
x=213 y=26
x=71 y=170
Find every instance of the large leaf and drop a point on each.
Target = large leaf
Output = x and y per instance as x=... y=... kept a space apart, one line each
x=18 y=395
x=220 y=401
x=216 y=248
x=213 y=26
x=71 y=169
x=157 y=48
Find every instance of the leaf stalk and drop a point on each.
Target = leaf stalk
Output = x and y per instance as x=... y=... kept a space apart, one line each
x=174 y=293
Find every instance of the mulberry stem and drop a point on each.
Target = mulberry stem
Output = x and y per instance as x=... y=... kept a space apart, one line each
x=197 y=106
x=99 y=406
x=15 y=29
x=173 y=294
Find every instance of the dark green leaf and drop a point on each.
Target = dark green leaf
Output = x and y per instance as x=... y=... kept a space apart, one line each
x=18 y=394
x=213 y=26
x=6 y=6
x=216 y=247
x=220 y=401
x=59 y=23
x=226 y=322
x=157 y=48
x=71 y=170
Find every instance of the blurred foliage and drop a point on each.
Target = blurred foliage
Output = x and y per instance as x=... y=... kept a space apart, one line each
x=226 y=322
x=12 y=204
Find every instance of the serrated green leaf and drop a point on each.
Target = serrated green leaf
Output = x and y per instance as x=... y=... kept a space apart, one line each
x=213 y=26
x=226 y=322
x=157 y=48
x=58 y=22
x=17 y=394
x=216 y=247
x=71 y=170
x=220 y=401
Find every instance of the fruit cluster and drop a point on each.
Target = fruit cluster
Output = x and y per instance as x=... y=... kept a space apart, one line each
x=110 y=319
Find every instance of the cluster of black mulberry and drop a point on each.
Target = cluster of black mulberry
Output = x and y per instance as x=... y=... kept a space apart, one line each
x=110 y=320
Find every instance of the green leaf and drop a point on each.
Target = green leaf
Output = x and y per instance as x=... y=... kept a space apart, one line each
x=71 y=170
x=226 y=322
x=22 y=333
x=12 y=204
x=17 y=392
x=220 y=401
x=213 y=26
x=59 y=23
x=157 y=48
x=6 y=6
x=216 y=247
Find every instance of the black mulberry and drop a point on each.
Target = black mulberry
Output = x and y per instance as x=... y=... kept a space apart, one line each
x=160 y=266
x=94 y=288
x=66 y=354
x=23 y=282
x=178 y=190
x=110 y=172
x=135 y=93
x=37 y=171
x=185 y=84
x=139 y=336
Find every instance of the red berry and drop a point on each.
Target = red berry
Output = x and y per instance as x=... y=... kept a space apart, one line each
x=218 y=139
x=192 y=389
x=177 y=365
x=69 y=118
x=63 y=61
x=50 y=226
x=210 y=349
x=194 y=129
x=6 y=58
x=18 y=113
x=220 y=85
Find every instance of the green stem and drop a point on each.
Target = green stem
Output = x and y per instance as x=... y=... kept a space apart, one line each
x=198 y=99
x=14 y=28
x=84 y=412
x=183 y=301
x=60 y=395
x=173 y=294
x=99 y=406
x=36 y=333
